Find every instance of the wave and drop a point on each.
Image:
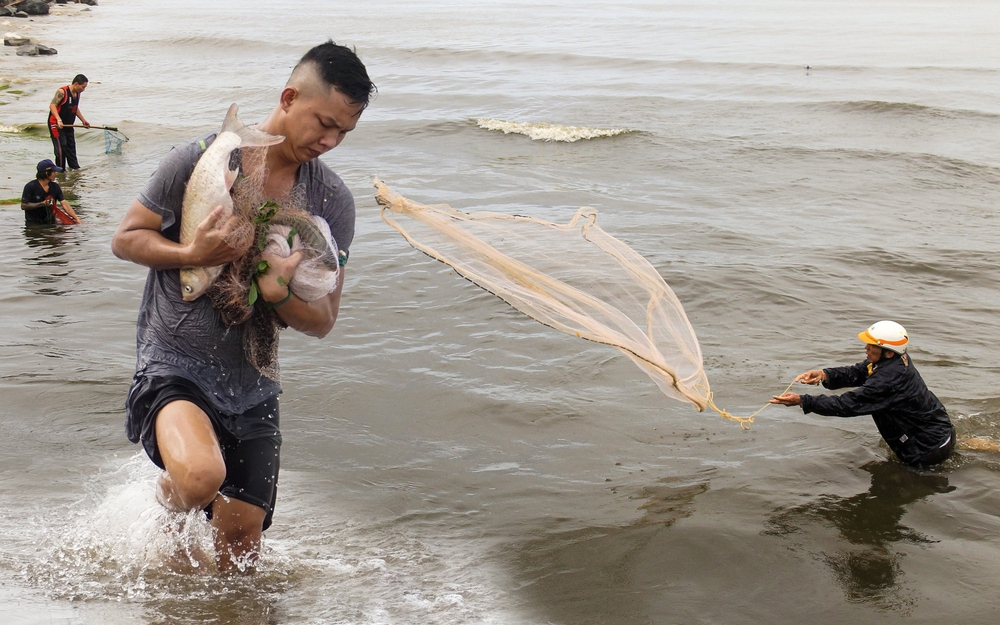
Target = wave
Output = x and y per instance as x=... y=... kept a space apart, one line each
x=909 y=108
x=32 y=129
x=549 y=132
x=949 y=167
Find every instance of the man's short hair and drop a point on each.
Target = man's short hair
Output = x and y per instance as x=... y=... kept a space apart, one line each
x=80 y=79
x=339 y=67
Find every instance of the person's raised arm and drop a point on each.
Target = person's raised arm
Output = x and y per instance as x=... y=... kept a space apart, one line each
x=138 y=239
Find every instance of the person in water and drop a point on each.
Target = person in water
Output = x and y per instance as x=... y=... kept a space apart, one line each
x=203 y=412
x=42 y=197
x=909 y=417
x=63 y=111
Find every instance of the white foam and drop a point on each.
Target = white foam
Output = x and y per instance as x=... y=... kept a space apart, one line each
x=549 y=132
x=9 y=129
x=118 y=550
x=110 y=549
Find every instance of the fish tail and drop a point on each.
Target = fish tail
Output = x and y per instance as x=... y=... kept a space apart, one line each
x=249 y=135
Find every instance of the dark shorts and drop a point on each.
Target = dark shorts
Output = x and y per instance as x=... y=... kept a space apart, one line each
x=250 y=441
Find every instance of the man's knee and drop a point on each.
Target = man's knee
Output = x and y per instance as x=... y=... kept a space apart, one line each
x=197 y=486
x=190 y=452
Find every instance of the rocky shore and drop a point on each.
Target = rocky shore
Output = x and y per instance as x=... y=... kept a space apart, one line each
x=25 y=9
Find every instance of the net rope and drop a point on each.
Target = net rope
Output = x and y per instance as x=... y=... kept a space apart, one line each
x=573 y=277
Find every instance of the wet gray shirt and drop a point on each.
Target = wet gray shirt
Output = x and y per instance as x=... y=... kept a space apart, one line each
x=188 y=339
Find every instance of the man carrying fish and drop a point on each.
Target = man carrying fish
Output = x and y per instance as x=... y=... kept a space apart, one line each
x=204 y=413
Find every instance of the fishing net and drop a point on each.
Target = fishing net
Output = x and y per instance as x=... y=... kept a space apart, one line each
x=573 y=277
x=113 y=141
x=281 y=227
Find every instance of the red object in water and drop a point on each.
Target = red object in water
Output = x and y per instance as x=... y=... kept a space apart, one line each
x=61 y=216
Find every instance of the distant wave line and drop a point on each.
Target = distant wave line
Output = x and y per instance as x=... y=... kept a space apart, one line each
x=548 y=132
x=881 y=106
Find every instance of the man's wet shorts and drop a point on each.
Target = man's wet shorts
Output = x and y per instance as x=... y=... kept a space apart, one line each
x=250 y=441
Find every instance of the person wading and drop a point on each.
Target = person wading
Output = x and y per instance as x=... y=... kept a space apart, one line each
x=202 y=411
x=63 y=111
x=42 y=197
x=911 y=420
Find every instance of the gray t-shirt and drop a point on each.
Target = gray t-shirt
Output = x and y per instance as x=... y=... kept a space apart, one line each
x=188 y=339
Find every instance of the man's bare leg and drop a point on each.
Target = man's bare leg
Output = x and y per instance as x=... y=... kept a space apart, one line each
x=237 y=532
x=195 y=468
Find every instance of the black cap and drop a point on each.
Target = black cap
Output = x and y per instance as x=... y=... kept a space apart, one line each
x=47 y=165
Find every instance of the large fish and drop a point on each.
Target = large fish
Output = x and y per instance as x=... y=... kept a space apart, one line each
x=209 y=187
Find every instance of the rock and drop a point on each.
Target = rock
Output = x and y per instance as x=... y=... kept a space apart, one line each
x=61 y=1
x=20 y=14
x=92 y=3
x=7 y=12
x=35 y=49
x=16 y=41
x=35 y=7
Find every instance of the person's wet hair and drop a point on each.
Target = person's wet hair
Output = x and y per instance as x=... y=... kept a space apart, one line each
x=80 y=79
x=339 y=67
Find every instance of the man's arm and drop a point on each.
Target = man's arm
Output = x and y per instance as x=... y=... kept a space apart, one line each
x=866 y=399
x=138 y=239
x=54 y=105
x=313 y=318
x=27 y=206
x=839 y=377
x=69 y=210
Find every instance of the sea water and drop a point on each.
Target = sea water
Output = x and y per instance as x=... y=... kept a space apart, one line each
x=795 y=171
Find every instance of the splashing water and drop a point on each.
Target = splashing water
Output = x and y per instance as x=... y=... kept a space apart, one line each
x=124 y=546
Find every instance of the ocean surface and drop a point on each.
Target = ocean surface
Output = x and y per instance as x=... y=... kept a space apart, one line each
x=796 y=170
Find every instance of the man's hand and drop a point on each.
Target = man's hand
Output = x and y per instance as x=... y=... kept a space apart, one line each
x=59 y=122
x=788 y=399
x=86 y=124
x=273 y=283
x=210 y=246
x=812 y=377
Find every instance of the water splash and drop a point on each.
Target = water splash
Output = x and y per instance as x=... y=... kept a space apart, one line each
x=119 y=548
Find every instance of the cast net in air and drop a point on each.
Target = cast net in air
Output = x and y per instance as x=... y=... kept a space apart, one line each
x=573 y=277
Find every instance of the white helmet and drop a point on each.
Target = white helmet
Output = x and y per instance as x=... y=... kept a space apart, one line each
x=887 y=335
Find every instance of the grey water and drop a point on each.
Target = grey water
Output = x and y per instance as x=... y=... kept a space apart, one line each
x=447 y=460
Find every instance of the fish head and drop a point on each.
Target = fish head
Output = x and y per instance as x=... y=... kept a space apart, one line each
x=194 y=283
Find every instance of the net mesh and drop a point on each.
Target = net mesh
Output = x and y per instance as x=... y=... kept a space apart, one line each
x=573 y=277
x=113 y=141
x=263 y=225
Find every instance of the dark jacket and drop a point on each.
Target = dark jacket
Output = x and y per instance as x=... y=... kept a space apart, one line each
x=908 y=416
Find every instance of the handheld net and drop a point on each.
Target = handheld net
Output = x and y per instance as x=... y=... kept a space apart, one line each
x=573 y=277
x=113 y=140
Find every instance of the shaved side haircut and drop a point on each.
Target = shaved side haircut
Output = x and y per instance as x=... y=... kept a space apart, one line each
x=332 y=65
